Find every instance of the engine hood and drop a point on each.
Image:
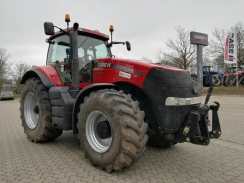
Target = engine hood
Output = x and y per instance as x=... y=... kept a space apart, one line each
x=145 y=64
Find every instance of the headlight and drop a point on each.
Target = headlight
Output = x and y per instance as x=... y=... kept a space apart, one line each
x=175 y=101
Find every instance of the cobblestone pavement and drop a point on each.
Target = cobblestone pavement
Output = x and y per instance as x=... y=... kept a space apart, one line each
x=63 y=161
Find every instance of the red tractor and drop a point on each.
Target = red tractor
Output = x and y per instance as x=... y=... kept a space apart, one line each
x=115 y=106
x=229 y=79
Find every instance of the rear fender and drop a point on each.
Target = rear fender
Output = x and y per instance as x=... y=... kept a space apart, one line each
x=80 y=99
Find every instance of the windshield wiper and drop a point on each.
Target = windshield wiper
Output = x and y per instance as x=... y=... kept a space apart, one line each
x=84 y=41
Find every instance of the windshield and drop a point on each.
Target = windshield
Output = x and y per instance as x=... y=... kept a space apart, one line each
x=6 y=91
x=206 y=70
x=89 y=49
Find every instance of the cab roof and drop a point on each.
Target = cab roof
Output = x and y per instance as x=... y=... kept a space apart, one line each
x=83 y=31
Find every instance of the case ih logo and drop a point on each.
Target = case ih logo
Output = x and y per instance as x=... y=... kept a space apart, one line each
x=201 y=38
x=198 y=38
x=103 y=64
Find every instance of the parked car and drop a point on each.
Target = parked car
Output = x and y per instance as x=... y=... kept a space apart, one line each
x=6 y=94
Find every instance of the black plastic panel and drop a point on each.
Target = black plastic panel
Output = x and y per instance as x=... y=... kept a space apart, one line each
x=160 y=84
x=62 y=107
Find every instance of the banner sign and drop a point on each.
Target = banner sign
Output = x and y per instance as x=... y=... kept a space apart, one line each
x=230 y=54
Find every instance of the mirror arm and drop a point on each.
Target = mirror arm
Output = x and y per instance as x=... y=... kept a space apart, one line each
x=118 y=42
x=110 y=44
x=61 y=30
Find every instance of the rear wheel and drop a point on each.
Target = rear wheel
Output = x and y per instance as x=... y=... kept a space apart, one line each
x=217 y=82
x=35 y=109
x=223 y=81
x=111 y=129
x=230 y=81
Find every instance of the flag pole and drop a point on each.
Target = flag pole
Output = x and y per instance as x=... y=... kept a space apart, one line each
x=236 y=59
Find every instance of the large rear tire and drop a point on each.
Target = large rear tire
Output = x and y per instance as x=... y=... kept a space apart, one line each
x=112 y=130
x=230 y=81
x=223 y=81
x=35 y=109
x=216 y=82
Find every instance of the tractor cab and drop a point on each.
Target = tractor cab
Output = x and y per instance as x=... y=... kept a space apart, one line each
x=90 y=47
x=72 y=52
x=206 y=70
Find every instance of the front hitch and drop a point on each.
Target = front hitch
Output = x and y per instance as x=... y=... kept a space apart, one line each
x=195 y=129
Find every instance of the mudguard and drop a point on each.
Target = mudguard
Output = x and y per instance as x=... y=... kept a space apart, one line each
x=35 y=73
x=48 y=75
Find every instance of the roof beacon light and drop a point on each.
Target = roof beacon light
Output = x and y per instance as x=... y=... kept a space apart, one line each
x=111 y=28
x=67 y=18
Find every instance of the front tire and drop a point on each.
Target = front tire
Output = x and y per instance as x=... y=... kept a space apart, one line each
x=112 y=130
x=35 y=109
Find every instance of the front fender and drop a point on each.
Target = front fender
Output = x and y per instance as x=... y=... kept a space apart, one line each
x=35 y=73
x=48 y=75
x=80 y=99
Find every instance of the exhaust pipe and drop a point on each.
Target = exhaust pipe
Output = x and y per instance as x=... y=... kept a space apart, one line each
x=75 y=60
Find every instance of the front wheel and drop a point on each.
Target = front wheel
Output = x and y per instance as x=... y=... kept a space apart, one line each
x=35 y=110
x=112 y=130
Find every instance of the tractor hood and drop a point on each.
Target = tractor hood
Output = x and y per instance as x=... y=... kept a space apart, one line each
x=171 y=92
x=132 y=71
x=144 y=64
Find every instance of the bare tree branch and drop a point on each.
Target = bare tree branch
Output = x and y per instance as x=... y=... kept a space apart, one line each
x=4 y=66
x=183 y=53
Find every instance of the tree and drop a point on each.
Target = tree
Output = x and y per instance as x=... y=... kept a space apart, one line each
x=20 y=68
x=239 y=27
x=217 y=45
x=146 y=59
x=4 y=66
x=184 y=53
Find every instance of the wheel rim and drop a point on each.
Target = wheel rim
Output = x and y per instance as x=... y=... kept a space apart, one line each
x=217 y=82
x=31 y=110
x=98 y=144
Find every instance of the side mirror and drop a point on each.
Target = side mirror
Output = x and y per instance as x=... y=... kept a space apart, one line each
x=49 y=28
x=128 y=46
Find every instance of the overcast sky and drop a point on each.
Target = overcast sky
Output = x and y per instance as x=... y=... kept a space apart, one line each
x=146 y=24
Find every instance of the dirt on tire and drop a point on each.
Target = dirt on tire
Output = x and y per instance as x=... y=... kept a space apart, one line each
x=127 y=125
x=43 y=131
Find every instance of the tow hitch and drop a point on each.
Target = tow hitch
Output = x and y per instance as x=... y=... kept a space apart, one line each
x=195 y=129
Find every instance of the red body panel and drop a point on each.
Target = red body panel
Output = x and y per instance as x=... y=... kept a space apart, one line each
x=115 y=70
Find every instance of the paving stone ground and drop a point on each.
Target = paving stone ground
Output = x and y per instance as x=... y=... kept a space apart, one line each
x=63 y=161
